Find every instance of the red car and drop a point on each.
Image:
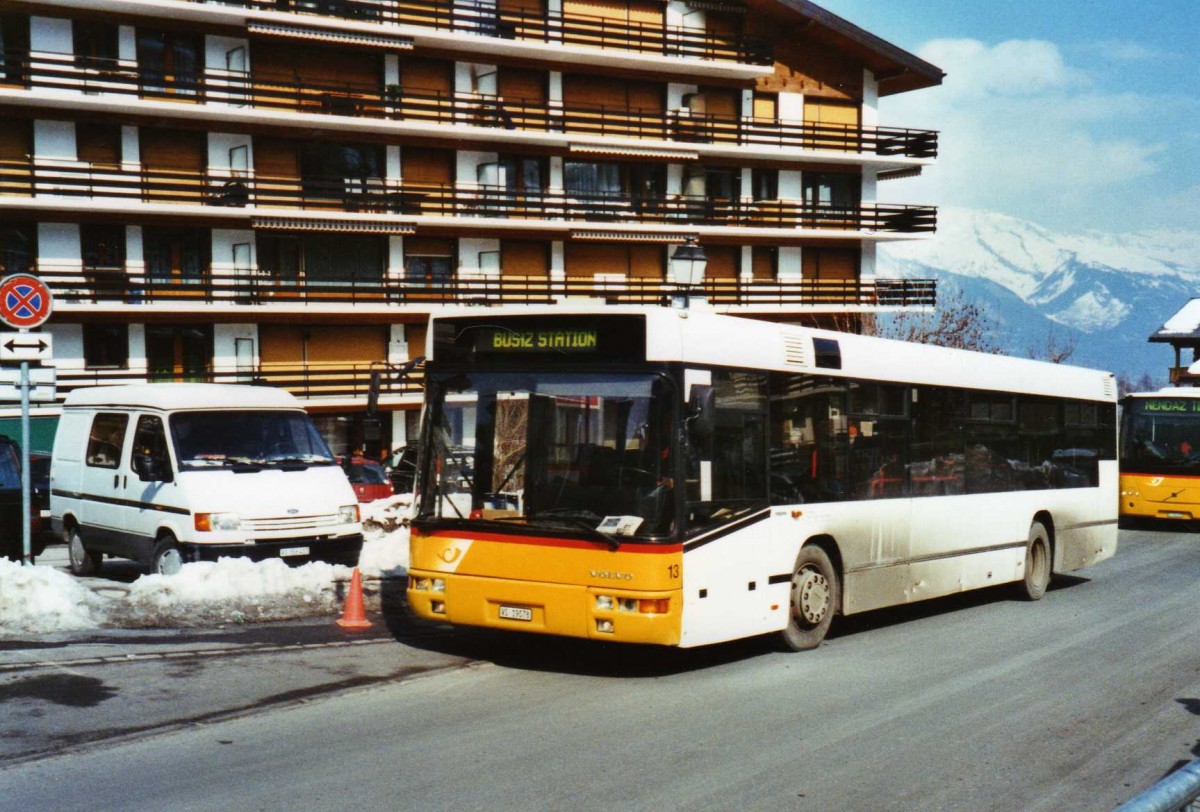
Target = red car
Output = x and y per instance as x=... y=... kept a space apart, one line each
x=368 y=479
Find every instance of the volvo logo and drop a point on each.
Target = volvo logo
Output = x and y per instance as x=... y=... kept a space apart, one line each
x=611 y=576
x=293 y=511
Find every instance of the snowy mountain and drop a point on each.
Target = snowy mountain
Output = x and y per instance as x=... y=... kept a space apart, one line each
x=1110 y=291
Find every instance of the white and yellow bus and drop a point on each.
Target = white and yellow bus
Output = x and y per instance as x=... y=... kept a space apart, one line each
x=1160 y=455
x=674 y=476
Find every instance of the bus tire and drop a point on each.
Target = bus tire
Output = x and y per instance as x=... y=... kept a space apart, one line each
x=815 y=597
x=83 y=562
x=1038 y=564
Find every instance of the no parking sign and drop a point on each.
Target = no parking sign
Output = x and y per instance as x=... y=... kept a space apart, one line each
x=25 y=301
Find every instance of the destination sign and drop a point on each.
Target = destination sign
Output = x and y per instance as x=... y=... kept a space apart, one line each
x=542 y=340
x=1170 y=405
x=518 y=341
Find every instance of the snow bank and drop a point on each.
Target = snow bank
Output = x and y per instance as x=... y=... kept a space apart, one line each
x=231 y=590
x=41 y=599
x=385 y=528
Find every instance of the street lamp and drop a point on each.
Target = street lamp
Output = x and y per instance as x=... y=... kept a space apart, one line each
x=687 y=267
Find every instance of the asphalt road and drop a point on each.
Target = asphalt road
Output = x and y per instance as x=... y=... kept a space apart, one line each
x=976 y=702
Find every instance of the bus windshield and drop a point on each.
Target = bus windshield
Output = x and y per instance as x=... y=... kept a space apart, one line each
x=1162 y=435
x=586 y=452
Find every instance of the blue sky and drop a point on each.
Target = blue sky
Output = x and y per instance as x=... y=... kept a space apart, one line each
x=1077 y=115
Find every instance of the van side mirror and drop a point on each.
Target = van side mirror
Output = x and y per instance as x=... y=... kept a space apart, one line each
x=150 y=468
x=701 y=417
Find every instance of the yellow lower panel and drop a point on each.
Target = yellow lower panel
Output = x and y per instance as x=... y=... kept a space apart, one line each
x=562 y=609
x=1160 y=497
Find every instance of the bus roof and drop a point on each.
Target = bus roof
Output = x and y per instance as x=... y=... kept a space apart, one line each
x=704 y=337
x=169 y=396
x=1169 y=392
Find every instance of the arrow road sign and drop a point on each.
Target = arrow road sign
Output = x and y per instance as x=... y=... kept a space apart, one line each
x=25 y=347
x=42 y=383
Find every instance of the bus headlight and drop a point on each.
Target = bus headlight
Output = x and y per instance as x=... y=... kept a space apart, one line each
x=427 y=584
x=604 y=603
x=348 y=514
x=208 y=522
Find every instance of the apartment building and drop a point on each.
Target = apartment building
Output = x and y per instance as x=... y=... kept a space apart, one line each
x=282 y=191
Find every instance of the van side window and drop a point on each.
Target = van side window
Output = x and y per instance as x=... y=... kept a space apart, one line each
x=106 y=440
x=149 y=440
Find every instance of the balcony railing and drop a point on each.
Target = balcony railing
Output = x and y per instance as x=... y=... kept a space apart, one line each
x=383 y=196
x=263 y=287
x=397 y=103
x=303 y=380
x=486 y=20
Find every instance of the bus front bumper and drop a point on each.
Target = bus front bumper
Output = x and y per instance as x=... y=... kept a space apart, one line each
x=597 y=613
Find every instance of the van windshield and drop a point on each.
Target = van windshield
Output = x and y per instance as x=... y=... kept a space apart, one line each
x=205 y=440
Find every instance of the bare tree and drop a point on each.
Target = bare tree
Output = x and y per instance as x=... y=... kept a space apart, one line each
x=956 y=322
x=1056 y=349
x=1126 y=384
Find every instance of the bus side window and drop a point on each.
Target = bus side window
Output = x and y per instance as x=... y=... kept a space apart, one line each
x=807 y=463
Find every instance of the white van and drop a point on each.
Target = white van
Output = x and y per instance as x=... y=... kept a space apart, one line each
x=173 y=472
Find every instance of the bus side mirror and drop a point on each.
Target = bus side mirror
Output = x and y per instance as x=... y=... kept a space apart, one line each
x=701 y=419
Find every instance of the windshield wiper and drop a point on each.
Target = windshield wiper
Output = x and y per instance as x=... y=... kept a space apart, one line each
x=582 y=519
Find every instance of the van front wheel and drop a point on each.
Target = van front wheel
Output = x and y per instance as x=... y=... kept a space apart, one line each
x=83 y=561
x=168 y=559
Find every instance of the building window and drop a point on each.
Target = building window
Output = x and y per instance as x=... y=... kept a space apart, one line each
x=834 y=190
x=170 y=62
x=18 y=248
x=14 y=46
x=429 y=261
x=95 y=43
x=597 y=179
x=323 y=257
x=722 y=183
x=178 y=353
x=765 y=184
x=102 y=247
x=176 y=253
x=106 y=346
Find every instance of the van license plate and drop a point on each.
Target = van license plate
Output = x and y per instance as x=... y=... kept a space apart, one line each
x=516 y=613
x=286 y=551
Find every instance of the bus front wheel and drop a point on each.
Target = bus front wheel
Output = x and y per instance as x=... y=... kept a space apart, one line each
x=1038 y=564
x=815 y=597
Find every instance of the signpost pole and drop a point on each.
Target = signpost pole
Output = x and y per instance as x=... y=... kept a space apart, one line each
x=26 y=502
x=25 y=303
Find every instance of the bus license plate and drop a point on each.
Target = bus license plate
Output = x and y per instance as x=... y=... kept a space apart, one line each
x=286 y=551
x=516 y=613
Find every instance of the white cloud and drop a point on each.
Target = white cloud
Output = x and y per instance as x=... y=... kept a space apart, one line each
x=1026 y=133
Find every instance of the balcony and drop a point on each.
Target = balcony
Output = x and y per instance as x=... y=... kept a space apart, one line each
x=468 y=206
x=485 y=20
x=64 y=72
x=309 y=381
x=252 y=289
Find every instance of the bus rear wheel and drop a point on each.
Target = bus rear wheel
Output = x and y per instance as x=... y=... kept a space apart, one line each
x=1038 y=564
x=815 y=596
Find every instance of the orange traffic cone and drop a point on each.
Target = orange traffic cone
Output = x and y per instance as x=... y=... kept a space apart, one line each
x=354 y=614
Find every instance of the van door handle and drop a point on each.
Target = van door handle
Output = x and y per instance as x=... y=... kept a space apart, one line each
x=116 y=480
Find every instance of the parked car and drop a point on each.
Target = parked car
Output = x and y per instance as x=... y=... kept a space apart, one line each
x=39 y=483
x=369 y=480
x=12 y=540
x=168 y=473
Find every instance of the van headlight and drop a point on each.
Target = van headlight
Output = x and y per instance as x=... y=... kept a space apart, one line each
x=348 y=514
x=208 y=522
